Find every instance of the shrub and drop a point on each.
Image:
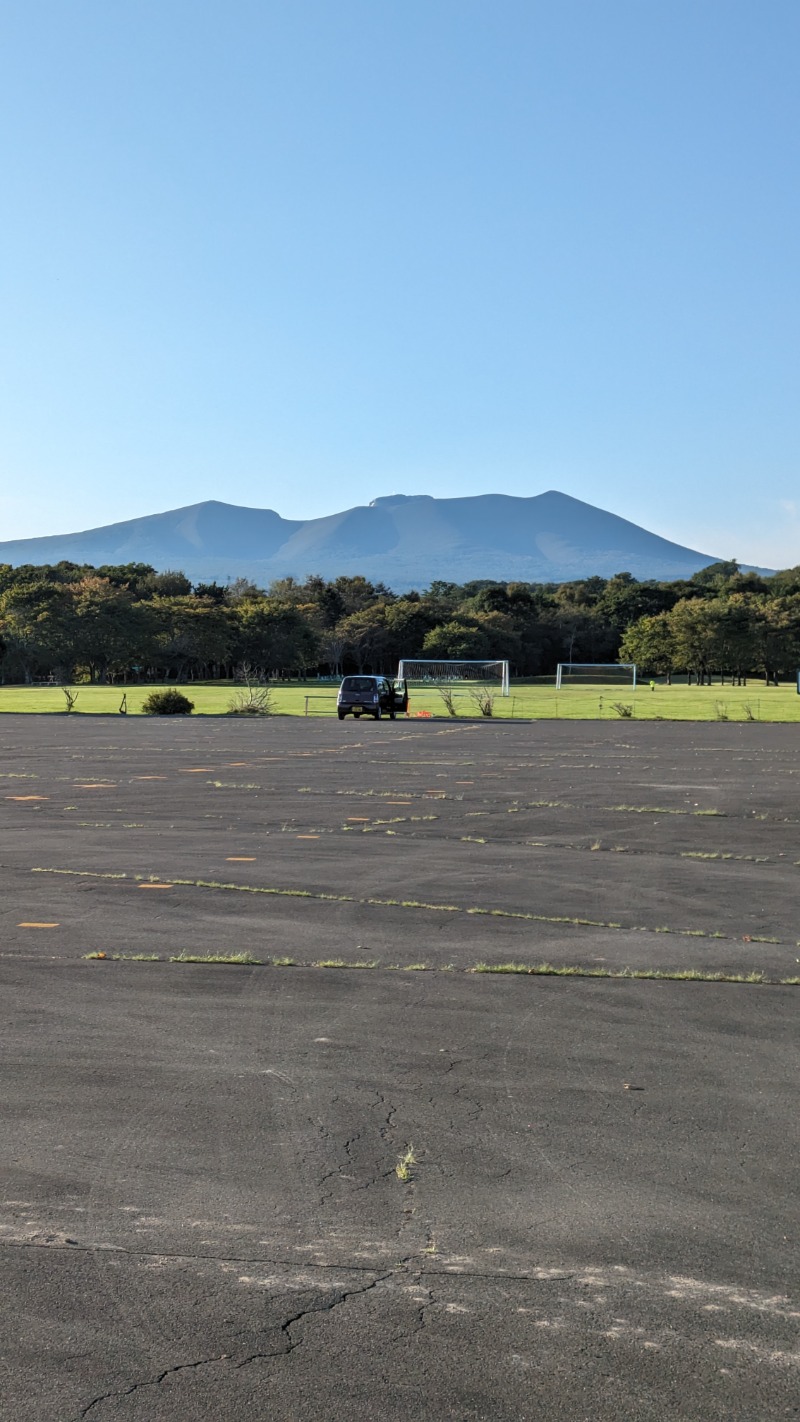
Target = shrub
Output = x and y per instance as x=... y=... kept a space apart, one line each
x=484 y=700
x=449 y=700
x=167 y=703
x=254 y=701
x=623 y=709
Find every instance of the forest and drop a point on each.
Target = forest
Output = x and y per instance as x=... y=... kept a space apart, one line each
x=129 y=624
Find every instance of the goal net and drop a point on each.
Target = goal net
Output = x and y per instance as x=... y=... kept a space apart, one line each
x=596 y=674
x=448 y=673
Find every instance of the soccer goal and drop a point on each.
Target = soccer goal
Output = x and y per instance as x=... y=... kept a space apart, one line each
x=596 y=674
x=447 y=673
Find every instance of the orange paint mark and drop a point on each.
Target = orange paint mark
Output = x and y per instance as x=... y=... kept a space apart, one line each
x=229 y=764
x=38 y=925
x=27 y=797
x=465 y=782
x=148 y=777
x=155 y=886
x=197 y=770
x=397 y=802
x=97 y=785
x=358 y=819
x=308 y=836
x=240 y=859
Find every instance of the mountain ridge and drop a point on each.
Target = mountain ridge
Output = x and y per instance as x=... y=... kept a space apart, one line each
x=403 y=540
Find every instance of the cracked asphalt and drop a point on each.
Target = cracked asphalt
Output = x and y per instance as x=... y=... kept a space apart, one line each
x=202 y=1216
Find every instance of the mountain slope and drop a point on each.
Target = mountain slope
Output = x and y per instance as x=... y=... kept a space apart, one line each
x=405 y=541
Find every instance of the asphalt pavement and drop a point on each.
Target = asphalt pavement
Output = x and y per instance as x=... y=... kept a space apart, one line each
x=288 y=1191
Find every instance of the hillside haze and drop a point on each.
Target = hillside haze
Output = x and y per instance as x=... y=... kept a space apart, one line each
x=403 y=540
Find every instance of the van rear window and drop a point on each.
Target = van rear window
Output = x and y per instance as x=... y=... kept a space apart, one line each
x=358 y=683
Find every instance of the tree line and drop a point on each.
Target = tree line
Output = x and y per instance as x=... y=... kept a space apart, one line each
x=126 y=623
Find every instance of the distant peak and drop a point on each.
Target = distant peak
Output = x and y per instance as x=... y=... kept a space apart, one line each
x=386 y=501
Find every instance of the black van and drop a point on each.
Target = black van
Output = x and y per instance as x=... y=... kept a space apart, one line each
x=371 y=696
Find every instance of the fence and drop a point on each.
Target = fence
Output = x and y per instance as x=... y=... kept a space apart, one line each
x=319 y=696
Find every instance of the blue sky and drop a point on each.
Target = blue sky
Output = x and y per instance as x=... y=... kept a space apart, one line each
x=296 y=255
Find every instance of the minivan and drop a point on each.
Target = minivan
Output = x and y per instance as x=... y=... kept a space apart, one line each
x=371 y=696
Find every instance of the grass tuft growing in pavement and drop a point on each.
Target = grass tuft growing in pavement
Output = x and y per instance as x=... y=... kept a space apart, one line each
x=565 y=970
x=403 y=1167
x=409 y=904
x=698 y=975
x=344 y=963
x=244 y=959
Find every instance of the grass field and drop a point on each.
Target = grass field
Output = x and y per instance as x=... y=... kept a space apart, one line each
x=534 y=701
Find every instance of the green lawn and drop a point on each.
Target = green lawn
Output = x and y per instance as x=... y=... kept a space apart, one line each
x=527 y=700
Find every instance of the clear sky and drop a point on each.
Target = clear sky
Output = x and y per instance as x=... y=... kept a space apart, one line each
x=299 y=253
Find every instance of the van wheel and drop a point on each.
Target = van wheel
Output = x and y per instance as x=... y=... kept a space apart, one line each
x=378 y=714
x=342 y=715
x=392 y=715
x=356 y=715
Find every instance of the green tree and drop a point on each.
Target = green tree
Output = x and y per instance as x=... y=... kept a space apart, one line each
x=777 y=637
x=407 y=623
x=366 y=638
x=37 y=626
x=625 y=600
x=456 y=640
x=170 y=583
x=215 y=592
x=192 y=636
x=108 y=627
x=651 y=645
x=582 y=635
x=693 y=623
x=273 y=636
x=738 y=634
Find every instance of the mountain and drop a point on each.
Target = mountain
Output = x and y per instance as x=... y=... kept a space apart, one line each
x=403 y=540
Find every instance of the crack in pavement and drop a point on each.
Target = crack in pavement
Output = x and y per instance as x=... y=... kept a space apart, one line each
x=150 y=1382
x=341 y=1296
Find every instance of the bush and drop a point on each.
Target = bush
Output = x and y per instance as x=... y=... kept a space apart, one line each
x=254 y=701
x=449 y=700
x=484 y=700
x=167 y=703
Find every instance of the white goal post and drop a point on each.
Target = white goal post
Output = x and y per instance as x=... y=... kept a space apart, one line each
x=595 y=673
x=434 y=672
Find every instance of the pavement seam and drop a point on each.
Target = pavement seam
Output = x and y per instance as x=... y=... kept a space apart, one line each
x=566 y=921
x=404 y=1264
x=708 y=977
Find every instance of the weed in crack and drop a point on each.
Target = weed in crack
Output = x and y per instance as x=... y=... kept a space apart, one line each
x=404 y=1163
